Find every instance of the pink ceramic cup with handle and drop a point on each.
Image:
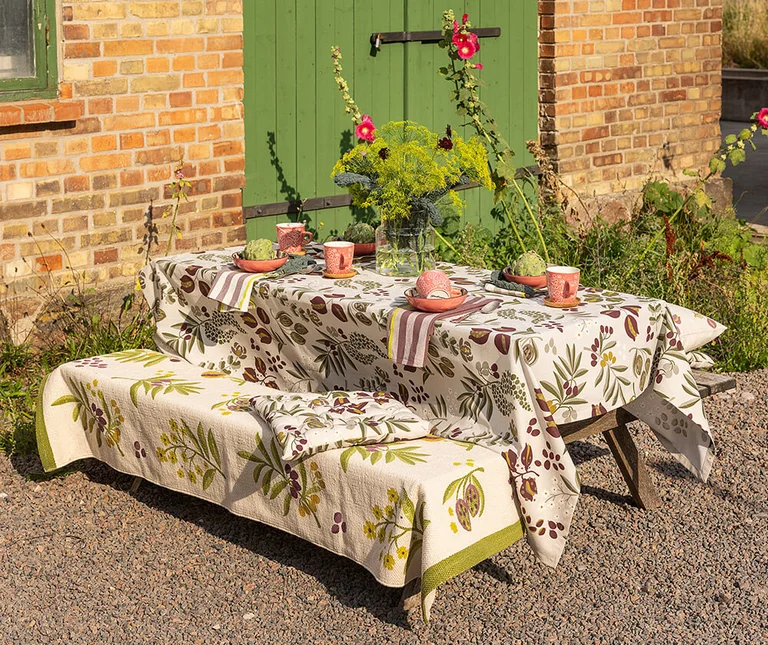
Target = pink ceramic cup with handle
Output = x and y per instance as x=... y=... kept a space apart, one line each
x=562 y=283
x=338 y=257
x=292 y=236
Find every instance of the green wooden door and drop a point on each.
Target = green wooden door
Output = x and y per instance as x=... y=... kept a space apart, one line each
x=295 y=125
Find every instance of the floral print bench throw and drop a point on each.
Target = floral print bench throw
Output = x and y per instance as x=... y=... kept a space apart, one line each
x=305 y=424
x=427 y=508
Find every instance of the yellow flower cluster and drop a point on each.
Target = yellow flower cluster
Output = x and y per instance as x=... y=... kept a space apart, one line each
x=406 y=162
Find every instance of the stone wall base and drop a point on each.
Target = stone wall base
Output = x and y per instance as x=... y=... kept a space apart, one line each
x=585 y=212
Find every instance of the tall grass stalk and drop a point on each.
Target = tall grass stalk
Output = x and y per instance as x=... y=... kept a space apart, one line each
x=745 y=33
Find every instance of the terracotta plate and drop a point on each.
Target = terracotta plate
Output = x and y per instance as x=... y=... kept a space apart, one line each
x=260 y=266
x=365 y=249
x=437 y=305
x=535 y=281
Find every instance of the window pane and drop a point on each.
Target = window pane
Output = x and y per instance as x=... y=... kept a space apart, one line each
x=17 y=48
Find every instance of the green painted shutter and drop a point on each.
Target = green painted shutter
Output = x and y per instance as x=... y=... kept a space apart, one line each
x=295 y=125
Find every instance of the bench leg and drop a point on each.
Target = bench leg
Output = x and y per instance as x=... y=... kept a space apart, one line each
x=632 y=467
x=136 y=483
x=411 y=598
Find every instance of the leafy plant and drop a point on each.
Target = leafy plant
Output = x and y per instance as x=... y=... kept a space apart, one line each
x=359 y=233
x=732 y=149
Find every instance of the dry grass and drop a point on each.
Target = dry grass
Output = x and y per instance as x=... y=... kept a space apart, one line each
x=745 y=33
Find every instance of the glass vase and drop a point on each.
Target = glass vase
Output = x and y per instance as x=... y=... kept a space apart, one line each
x=404 y=252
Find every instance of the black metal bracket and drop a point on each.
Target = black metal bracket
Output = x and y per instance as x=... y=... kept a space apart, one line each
x=388 y=37
x=336 y=201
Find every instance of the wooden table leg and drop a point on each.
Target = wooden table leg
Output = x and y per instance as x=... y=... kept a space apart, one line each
x=632 y=466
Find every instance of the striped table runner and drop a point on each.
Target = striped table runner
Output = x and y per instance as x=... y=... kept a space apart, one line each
x=410 y=330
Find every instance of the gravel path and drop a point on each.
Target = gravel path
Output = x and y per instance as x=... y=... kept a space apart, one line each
x=82 y=560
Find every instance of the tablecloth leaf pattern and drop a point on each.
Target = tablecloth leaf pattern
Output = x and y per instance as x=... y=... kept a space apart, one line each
x=503 y=379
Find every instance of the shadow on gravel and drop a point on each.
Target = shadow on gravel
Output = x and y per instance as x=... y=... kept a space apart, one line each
x=30 y=467
x=492 y=569
x=348 y=582
x=27 y=466
x=582 y=452
x=607 y=496
x=672 y=468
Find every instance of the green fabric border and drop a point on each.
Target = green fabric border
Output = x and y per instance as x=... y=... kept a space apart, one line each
x=467 y=558
x=43 y=443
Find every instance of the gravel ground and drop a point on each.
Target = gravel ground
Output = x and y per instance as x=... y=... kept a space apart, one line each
x=82 y=560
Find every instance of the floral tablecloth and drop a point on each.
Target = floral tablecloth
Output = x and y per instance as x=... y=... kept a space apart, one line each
x=503 y=379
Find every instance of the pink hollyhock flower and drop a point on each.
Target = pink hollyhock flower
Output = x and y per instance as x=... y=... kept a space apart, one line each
x=479 y=66
x=460 y=39
x=366 y=129
x=455 y=26
x=762 y=118
x=464 y=18
x=466 y=50
x=475 y=41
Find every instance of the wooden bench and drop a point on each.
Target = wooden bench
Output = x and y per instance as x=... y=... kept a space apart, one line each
x=613 y=425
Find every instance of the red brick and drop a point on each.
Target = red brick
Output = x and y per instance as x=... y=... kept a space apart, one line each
x=131 y=140
x=104 y=256
x=82 y=50
x=48 y=263
x=10 y=115
x=37 y=112
x=76 y=184
x=76 y=32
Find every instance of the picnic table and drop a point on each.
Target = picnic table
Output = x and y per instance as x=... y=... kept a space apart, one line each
x=507 y=380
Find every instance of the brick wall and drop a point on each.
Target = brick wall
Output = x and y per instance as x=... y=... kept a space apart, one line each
x=143 y=84
x=629 y=88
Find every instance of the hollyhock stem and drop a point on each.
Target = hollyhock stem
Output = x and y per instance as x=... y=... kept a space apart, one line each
x=461 y=79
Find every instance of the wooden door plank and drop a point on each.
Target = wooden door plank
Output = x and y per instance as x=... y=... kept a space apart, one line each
x=307 y=61
x=260 y=71
x=283 y=166
x=419 y=65
x=328 y=104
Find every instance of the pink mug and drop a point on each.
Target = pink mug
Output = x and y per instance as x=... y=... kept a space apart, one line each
x=562 y=283
x=338 y=256
x=292 y=236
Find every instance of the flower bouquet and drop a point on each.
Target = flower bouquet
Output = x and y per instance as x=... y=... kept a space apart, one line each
x=409 y=174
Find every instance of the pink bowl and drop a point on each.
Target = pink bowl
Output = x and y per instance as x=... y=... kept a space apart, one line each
x=365 y=249
x=260 y=266
x=437 y=305
x=535 y=281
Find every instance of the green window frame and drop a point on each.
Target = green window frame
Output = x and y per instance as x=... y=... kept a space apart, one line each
x=44 y=84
